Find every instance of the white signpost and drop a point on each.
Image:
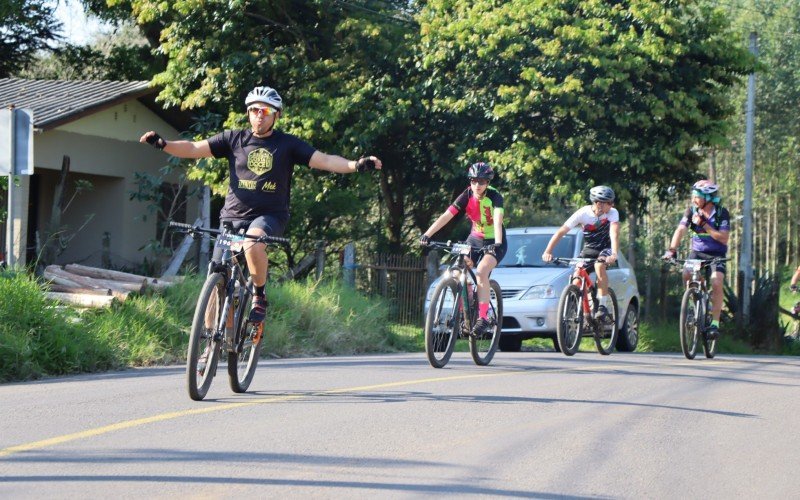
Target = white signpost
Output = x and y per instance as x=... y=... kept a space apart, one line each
x=16 y=158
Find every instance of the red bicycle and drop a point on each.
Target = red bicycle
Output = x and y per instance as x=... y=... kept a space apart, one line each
x=576 y=309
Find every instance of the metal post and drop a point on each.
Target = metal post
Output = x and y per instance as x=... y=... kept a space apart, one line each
x=205 y=215
x=349 y=271
x=319 y=254
x=11 y=257
x=745 y=263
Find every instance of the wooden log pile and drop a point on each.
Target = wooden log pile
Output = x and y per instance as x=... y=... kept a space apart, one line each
x=94 y=287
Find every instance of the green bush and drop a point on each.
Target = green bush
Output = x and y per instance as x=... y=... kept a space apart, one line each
x=39 y=338
x=324 y=318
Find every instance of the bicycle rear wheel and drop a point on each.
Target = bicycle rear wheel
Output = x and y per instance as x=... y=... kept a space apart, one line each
x=709 y=346
x=606 y=335
x=483 y=347
x=242 y=362
x=570 y=320
x=204 y=339
x=690 y=305
x=443 y=322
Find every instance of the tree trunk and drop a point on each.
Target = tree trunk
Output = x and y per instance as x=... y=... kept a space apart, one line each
x=49 y=250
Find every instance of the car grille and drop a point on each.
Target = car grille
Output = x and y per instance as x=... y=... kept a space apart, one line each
x=510 y=293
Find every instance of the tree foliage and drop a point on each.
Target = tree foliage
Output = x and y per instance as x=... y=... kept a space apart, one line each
x=26 y=26
x=573 y=93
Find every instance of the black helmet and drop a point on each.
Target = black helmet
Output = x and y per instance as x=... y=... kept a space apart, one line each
x=480 y=170
x=601 y=193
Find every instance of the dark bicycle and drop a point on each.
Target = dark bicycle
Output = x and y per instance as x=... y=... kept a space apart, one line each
x=453 y=311
x=220 y=322
x=695 y=316
x=576 y=310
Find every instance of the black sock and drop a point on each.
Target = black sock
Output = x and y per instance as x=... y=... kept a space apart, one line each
x=259 y=290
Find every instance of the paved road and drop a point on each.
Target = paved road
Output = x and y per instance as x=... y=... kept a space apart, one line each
x=530 y=425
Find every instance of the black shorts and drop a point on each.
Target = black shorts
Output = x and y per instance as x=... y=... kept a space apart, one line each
x=478 y=243
x=719 y=266
x=594 y=254
x=273 y=225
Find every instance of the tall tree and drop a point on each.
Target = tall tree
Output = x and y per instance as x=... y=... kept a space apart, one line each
x=26 y=26
x=575 y=92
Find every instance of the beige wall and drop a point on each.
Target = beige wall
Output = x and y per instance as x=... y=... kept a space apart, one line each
x=104 y=150
x=126 y=122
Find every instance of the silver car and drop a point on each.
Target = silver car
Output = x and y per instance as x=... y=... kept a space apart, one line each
x=531 y=288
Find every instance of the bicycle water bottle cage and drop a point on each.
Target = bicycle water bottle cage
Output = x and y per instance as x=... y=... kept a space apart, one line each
x=461 y=249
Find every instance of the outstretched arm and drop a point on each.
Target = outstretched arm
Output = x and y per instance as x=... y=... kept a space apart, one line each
x=179 y=149
x=337 y=164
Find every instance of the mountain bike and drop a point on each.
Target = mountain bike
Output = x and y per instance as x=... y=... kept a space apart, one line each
x=696 y=306
x=453 y=311
x=576 y=309
x=220 y=323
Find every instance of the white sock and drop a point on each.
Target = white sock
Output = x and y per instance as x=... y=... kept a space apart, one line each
x=603 y=301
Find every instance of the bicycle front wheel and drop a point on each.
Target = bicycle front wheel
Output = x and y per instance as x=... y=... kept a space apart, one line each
x=204 y=341
x=483 y=347
x=606 y=335
x=690 y=317
x=570 y=320
x=243 y=359
x=443 y=322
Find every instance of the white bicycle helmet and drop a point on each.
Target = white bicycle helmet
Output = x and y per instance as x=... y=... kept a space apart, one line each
x=706 y=187
x=266 y=95
x=601 y=193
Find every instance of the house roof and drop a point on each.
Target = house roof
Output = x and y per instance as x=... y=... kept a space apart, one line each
x=56 y=102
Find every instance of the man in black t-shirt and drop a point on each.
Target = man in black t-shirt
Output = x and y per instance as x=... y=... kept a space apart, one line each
x=261 y=162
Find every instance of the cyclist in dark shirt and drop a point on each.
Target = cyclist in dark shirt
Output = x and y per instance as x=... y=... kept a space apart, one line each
x=261 y=162
x=711 y=224
x=483 y=204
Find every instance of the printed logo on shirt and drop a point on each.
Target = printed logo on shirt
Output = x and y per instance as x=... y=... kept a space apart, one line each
x=269 y=187
x=248 y=185
x=259 y=161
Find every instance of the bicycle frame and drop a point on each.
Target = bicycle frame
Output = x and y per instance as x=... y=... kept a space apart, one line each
x=219 y=320
x=460 y=270
x=581 y=275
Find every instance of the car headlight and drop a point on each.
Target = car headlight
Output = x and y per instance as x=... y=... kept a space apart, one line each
x=539 y=292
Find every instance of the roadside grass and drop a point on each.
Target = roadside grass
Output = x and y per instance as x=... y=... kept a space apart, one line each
x=41 y=338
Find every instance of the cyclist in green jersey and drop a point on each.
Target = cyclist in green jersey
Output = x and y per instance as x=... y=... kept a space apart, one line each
x=483 y=205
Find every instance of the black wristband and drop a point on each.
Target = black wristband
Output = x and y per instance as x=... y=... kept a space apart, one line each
x=364 y=164
x=156 y=141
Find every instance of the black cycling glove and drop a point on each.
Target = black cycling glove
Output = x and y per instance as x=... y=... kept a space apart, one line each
x=424 y=240
x=365 y=164
x=156 y=141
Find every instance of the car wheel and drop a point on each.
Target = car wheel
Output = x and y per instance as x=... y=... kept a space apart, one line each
x=629 y=334
x=510 y=343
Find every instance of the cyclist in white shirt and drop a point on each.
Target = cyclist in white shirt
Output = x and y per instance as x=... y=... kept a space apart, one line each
x=600 y=223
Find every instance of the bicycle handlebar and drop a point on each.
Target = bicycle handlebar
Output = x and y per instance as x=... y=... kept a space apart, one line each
x=448 y=245
x=574 y=260
x=197 y=229
x=703 y=262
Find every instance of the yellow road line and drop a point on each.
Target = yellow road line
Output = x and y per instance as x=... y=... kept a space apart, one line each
x=274 y=399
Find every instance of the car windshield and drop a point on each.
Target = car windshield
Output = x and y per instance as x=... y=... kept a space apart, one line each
x=525 y=250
